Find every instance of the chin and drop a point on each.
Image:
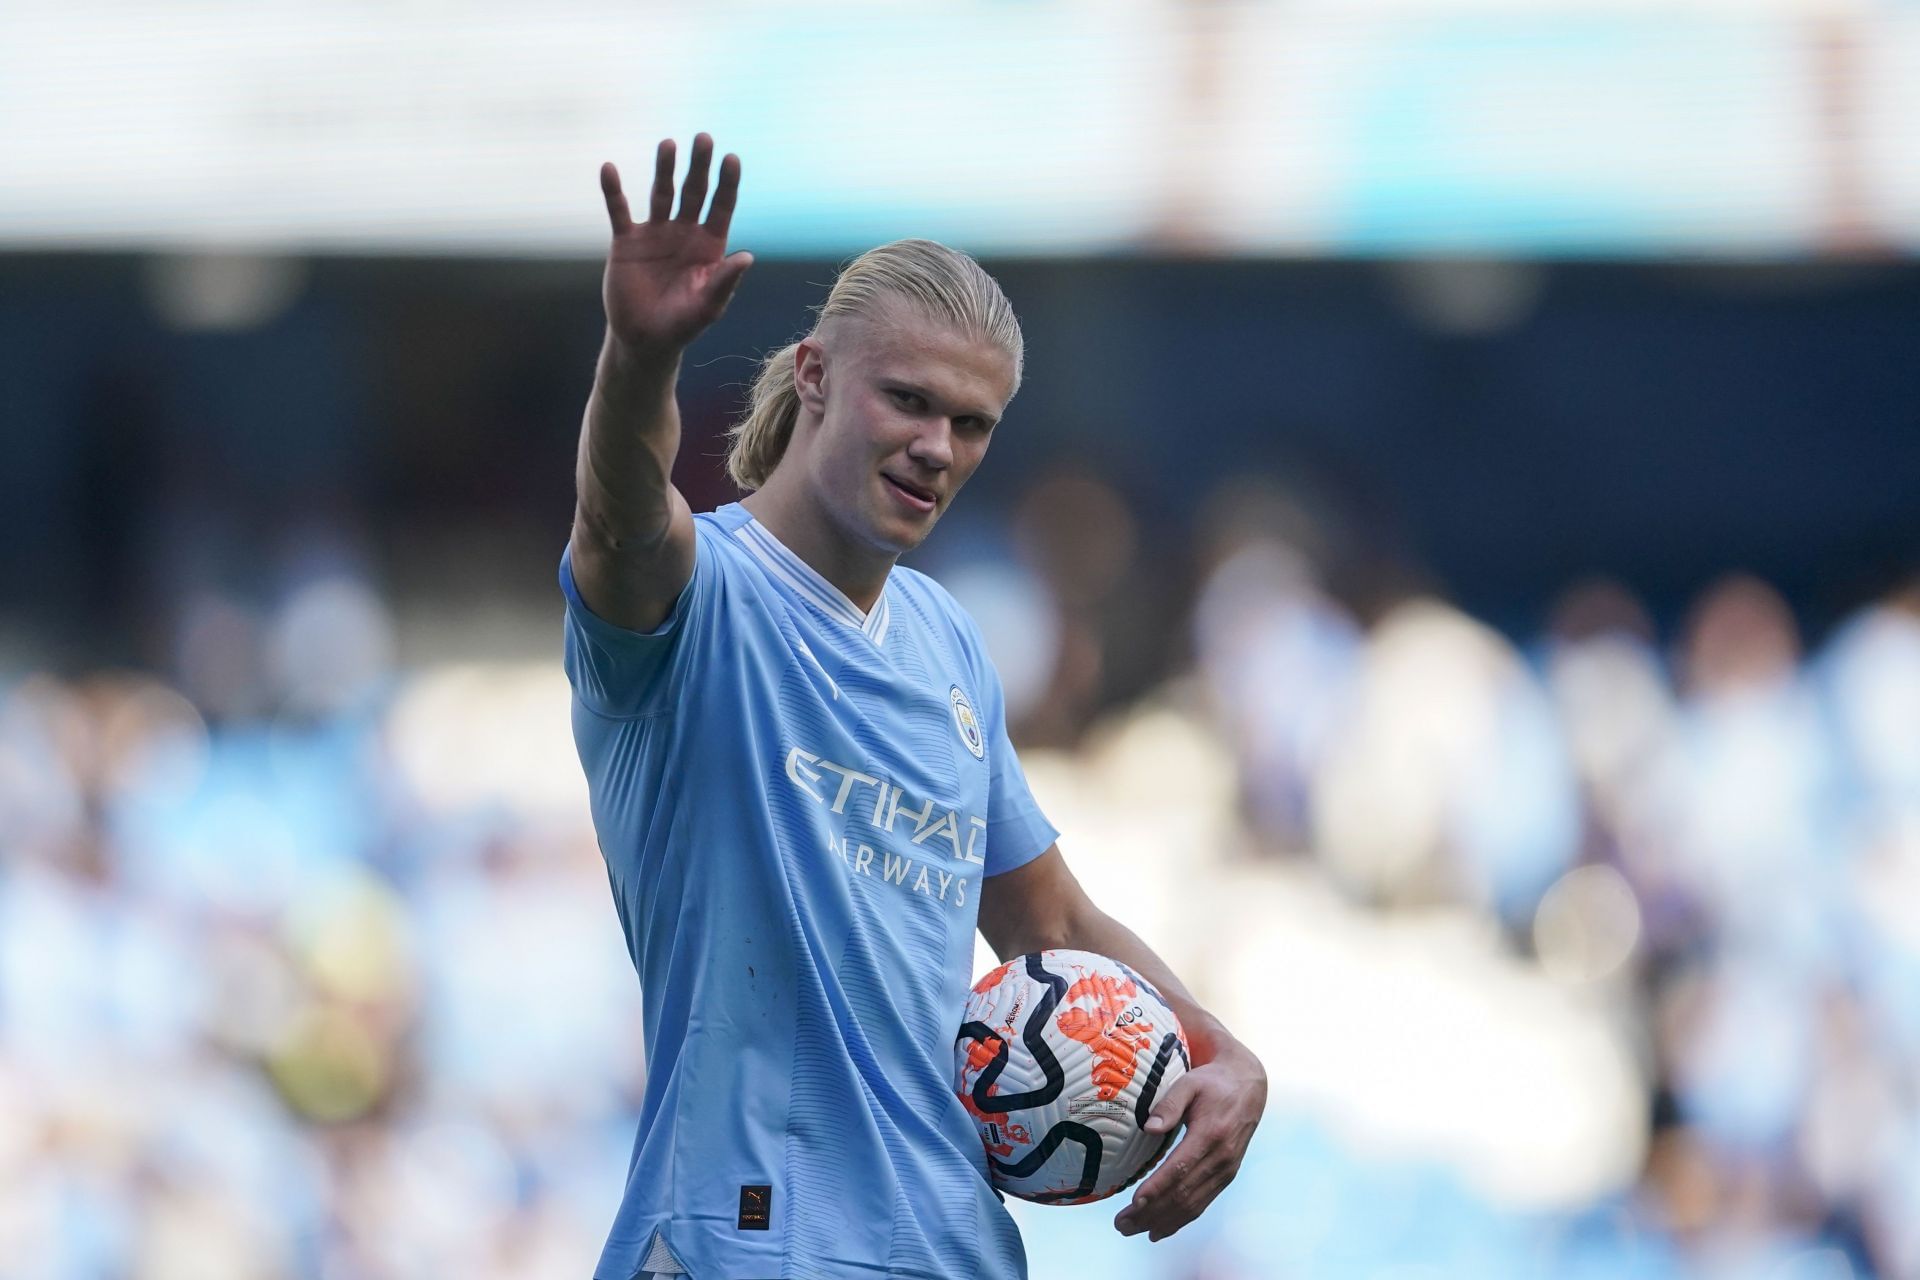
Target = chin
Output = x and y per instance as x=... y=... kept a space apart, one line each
x=901 y=543
x=897 y=537
x=881 y=532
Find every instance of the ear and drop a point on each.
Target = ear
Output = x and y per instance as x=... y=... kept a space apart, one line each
x=810 y=374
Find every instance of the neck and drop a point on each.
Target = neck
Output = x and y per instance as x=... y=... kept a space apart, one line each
x=858 y=571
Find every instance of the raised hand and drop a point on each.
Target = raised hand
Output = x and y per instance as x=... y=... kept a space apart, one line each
x=671 y=276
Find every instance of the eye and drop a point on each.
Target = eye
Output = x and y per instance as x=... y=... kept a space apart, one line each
x=907 y=399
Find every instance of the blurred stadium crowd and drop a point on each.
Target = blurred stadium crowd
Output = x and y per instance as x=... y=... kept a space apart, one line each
x=1579 y=942
x=307 y=966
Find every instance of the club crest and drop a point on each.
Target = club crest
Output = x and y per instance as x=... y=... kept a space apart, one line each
x=967 y=723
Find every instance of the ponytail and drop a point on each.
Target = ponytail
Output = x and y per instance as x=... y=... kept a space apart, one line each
x=757 y=441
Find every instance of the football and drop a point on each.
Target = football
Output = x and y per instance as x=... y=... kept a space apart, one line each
x=1059 y=1060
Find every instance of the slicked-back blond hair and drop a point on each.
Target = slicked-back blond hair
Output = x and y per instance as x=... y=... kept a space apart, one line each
x=941 y=283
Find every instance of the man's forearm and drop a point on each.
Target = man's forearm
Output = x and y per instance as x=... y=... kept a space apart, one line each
x=1219 y=1102
x=1095 y=930
x=628 y=442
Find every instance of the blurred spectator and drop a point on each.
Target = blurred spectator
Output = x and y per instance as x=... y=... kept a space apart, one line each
x=307 y=968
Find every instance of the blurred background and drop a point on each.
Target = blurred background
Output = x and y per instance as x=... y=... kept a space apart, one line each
x=1455 y=567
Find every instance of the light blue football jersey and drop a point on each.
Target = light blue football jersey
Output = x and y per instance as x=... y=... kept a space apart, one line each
x=797 y=804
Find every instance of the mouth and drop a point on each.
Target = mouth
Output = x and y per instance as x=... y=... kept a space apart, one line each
x=916 y=497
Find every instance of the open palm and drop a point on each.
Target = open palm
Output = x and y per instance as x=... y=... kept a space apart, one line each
x=671 y=276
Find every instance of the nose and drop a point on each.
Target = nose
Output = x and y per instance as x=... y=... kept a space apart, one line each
x=933 y=446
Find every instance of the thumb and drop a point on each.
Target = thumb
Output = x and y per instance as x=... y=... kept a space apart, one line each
x=727 y=277
x=1171 y=1108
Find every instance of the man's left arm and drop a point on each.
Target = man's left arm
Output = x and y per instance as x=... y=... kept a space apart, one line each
x=1039 y=906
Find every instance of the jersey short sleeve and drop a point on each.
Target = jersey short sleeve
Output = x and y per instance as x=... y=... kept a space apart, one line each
x=619 y=672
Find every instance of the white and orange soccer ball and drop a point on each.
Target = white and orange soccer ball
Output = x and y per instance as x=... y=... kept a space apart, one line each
x=1059 y=1061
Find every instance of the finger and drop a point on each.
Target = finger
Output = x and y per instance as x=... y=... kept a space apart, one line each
x=1173 y=1216
x=1157 y=1218
x=1197 y=1155
x=1176 y=1211
x=720 y=216
x=617 y=212
x=660 y=199
x=1165 y=1180
x=727 y=277
x=1150 y=1200
x=1171 y=1107
x=1133 y=1218
x=1160 y=1223
x=1158 y=1185
x=693 y=193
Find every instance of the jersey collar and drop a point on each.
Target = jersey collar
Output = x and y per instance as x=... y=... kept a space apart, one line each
x=805 y=581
